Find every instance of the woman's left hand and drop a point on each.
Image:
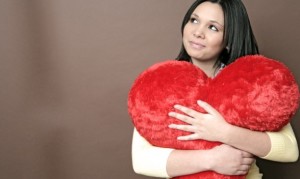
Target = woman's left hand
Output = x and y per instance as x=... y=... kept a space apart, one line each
x=210 y=126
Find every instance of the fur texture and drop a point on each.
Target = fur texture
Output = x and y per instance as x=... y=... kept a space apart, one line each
x=254 y=92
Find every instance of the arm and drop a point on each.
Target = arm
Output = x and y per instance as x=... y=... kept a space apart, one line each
x=164 y=162
x=147 y=159
x=278 y=146
x=222 y=159
x=257 y=143
x=213 y=127
x=284 y=147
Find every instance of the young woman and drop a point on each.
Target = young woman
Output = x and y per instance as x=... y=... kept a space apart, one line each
x=214 y=34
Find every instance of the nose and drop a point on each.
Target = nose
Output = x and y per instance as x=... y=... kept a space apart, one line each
x=199 y=33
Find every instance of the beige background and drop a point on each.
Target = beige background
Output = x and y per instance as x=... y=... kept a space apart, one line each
x=67 y=65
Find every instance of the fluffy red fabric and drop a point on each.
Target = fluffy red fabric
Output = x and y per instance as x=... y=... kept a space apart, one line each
x=254 y=92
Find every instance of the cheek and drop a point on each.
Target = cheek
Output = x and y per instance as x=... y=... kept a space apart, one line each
x=187 y=31
x=184 y=35
x=185 y=38
x=218 y=42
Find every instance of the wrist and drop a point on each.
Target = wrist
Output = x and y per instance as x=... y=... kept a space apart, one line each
x=227 y=133
x=202 y=160
x=210 y=159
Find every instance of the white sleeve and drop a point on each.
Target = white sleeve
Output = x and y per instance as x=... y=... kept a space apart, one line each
x=147 y=159
x=284 y=147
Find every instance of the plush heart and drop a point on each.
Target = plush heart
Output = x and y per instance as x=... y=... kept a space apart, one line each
x=254 y=92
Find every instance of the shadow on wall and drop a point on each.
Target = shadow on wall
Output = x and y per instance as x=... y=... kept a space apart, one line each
x=43 y=69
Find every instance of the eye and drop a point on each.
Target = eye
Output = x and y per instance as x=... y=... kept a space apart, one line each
x=214 y=28
x=193 y=20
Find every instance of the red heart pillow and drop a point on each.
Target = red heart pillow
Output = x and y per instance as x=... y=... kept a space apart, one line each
x=253 y=92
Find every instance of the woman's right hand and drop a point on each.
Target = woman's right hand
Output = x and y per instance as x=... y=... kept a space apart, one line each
x=228 y=160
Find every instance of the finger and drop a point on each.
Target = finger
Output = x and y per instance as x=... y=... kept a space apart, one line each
x=182 y=117
x=208 y=108
x=248 y=161
x=241 y=172
x=188 y=111
x=187 y=128
x=189 y=137
x=247 y=154
x=244 y=169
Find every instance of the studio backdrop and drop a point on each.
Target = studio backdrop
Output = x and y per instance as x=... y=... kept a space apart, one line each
x=66 y=67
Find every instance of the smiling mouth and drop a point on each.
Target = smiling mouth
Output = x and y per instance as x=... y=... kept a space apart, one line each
x=196 y=45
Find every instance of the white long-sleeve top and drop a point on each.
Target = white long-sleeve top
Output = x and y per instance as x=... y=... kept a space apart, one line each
x=152 y=161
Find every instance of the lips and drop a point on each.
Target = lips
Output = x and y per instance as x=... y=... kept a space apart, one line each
x=196 y=45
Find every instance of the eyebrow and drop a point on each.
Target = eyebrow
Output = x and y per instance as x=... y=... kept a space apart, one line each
x=213 y=21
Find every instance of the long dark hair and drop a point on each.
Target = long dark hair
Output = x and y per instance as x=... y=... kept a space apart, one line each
x=238 y=37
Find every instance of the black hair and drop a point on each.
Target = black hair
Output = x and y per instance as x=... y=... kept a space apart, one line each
x=238 y=35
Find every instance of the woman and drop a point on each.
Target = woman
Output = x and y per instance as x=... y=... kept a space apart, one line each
x=215 y=33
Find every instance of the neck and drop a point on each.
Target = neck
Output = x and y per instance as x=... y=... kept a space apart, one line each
x=208 y=67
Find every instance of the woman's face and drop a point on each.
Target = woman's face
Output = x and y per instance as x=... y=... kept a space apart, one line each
x=203 y=34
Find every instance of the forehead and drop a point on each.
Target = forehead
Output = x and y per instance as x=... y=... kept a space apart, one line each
x=210 y=11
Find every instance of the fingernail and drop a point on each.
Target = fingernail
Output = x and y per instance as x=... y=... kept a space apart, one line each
x=171 y=126
x=176 y=106
x=171 y=113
